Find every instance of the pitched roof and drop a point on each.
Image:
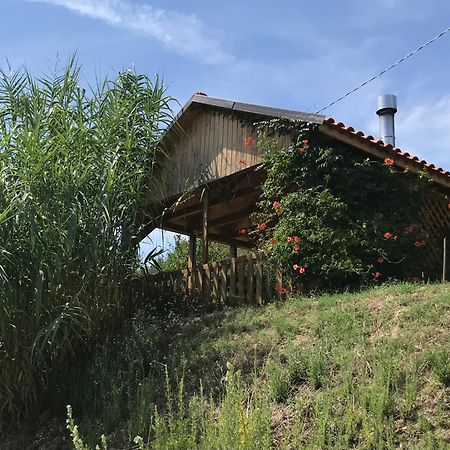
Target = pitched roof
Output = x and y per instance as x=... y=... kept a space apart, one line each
x=328 y=126
x=332 y=123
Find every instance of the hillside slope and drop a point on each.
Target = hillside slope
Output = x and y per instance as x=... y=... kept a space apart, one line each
x=367 y=370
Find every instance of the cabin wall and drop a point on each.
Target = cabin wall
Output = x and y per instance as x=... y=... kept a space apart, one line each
x=210 y=146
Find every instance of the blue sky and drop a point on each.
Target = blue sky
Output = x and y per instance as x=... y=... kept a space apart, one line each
x=293 y=54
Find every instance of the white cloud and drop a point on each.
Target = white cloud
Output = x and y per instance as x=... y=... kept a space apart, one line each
x=424 y=130
x=181 y=33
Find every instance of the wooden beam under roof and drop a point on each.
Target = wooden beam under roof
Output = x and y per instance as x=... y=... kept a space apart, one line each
x=374 y=149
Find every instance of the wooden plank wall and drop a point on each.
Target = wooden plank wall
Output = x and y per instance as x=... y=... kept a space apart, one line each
x=210 y=147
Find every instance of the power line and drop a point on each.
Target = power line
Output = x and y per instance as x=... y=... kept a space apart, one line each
x=386 y=69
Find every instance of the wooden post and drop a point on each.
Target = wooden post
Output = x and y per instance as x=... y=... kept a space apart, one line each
x=241 y=292
x=250 y=274
x=233 y=266
x=215 y=283
x=206 y=283
x=223 y=282
x=205 y=227
x=444 y=260
x=233 y=251
x=192 y=265
x=259 y=280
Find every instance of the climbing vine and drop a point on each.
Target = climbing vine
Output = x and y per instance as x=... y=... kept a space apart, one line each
x=332 y=217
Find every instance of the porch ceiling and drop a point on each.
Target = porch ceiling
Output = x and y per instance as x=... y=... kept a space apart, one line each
x=231 y=201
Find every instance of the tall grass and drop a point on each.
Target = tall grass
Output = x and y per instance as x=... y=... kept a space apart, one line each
x=74 y=168
x=361 y=371
x=241 y=420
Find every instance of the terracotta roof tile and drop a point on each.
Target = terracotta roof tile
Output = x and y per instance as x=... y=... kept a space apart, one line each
x=329 y=121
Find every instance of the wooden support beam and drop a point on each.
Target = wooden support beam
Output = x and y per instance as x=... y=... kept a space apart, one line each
x=229 y=219
x=233 y=251
x=192 y=264
x=197 y=208
x=192 y=252
x=212 y=236
x=205 y=214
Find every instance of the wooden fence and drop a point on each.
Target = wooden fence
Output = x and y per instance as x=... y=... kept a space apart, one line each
x=435 y=219
x=237 y=280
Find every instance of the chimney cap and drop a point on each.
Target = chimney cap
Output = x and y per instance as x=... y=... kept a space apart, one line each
x=386 y=102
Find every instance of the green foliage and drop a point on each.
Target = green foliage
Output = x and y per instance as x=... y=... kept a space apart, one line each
x=327 y=210
x=439 y=359
x=355 y=373
x=240 y=420
x=74 y=166
x=177 y=258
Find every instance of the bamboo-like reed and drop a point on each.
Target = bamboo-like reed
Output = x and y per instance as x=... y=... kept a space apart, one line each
x=74 y=166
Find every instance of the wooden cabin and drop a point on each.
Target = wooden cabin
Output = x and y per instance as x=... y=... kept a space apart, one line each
x=211 y=178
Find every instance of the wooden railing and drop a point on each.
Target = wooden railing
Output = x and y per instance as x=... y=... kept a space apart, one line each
x=236 y=280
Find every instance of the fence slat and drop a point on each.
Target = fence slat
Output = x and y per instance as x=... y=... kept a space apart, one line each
x=215 y=276
x=250 y=280
x=242 y=278
x=206 y=283
x=241 y=274
x=233 y=265
x=259 y=280
x=223 y=282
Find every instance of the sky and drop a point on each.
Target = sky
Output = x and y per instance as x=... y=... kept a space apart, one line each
x=291 y=54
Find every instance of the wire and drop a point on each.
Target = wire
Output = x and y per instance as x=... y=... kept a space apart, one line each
x=386 y=69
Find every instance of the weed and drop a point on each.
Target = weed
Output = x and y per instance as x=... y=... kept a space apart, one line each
x=439 y=359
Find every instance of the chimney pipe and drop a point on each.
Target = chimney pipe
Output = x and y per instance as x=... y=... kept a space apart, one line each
x=386 y=108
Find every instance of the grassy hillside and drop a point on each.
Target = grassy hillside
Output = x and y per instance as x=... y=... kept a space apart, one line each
x=367 y=371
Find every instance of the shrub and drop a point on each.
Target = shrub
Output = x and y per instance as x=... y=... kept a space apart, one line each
x=331 y=217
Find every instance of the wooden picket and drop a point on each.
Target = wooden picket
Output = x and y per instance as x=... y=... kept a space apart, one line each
x=235 y=280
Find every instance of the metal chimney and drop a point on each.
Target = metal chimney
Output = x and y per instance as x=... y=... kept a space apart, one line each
x=386 y=108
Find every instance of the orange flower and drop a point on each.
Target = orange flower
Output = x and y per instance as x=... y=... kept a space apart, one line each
x=302 y=270
x=243 y=231
x=274 y=240
x=241 y=162
x=387 y=235
x=276 y=204
x=301 y=150
x=377 y=274
x=296 y=248
x=289 y=239
x=380 y=260
x=262 y=226
x=248 y=142
x=296 y=239
x=296 y=267
x=280 y=289
x=305 y=142
x=389 y=161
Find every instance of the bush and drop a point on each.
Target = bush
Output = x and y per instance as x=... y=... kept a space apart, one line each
x=331 y=217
